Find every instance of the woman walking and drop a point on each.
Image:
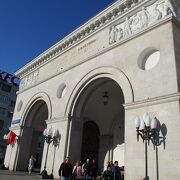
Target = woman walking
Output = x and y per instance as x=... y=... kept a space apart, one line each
x=77 y=171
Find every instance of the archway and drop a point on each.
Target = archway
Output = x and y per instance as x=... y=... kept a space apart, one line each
x=109 y=118
x=32 y=141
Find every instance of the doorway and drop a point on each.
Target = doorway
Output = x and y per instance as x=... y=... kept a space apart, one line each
x=90 y=141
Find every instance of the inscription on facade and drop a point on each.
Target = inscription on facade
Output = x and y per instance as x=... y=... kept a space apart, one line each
x=29 y=80
x=76 y=55
x=86 y=45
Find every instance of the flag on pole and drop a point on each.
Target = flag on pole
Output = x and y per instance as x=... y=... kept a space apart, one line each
x=11 y=137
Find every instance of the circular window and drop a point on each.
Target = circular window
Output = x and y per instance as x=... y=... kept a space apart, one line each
x=19 y=106
x=149 y=59
x=61 y=91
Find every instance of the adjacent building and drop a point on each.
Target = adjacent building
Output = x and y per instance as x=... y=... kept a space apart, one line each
x=7 y=103
x=92 y=84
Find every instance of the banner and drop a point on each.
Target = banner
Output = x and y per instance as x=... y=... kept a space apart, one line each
x=11 y=137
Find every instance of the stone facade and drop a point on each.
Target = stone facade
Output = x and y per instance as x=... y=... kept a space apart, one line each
x=115 y=52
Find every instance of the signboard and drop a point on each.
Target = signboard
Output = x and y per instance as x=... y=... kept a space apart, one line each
x=9 y=78
x=16 y=121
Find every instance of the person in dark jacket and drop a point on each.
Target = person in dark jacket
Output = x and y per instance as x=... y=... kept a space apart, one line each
x=86 y=169
x=65 y=170
x=116 y=171
x=108 y=174
x=94 y=169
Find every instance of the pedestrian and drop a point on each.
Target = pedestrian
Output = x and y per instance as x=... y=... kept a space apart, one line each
x=94 y=169
x=108 y=174
x=116 y=171
x=86 y=169
x=31 y=164
x=110 y=164
x=77 y=171
x=65 y=170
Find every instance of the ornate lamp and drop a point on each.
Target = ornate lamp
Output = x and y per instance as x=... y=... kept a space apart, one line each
x=50 y=136
x=146 y=129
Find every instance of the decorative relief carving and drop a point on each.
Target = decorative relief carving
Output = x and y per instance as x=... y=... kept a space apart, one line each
x=142 y=19
x=29 y=80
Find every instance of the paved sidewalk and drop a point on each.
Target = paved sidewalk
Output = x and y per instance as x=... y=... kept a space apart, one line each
x=10 y=175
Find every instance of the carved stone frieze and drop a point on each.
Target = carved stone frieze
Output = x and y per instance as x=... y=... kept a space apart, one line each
x=140 y=20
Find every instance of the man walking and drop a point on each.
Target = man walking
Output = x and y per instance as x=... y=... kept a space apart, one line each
x=86 y=169
x=65 y=170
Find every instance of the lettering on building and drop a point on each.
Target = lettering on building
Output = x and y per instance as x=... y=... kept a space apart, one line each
x=29 y=80
x=86 y=45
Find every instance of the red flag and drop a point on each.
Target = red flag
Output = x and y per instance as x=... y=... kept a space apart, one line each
x=11 y=137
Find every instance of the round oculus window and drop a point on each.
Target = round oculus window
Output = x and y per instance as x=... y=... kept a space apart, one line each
x=61 y=91
x=148 y=61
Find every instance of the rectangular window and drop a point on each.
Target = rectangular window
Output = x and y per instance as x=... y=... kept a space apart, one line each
x=6 y=88
x=10 y=115
x=4 y=99
x=1 y=124
x=2 y=111
x=13 y=103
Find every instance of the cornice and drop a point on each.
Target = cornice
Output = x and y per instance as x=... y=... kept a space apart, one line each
x=152 y=101
x=114 y=11
x=57 y=120
x=169 y=18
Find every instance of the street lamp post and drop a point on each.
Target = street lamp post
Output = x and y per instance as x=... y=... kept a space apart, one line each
x=50 y=136
x=146 y=129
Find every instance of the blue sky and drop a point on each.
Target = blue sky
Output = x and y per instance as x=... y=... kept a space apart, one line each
x=28 y=27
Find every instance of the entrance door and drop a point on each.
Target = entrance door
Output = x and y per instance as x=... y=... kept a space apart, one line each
x=90 y=141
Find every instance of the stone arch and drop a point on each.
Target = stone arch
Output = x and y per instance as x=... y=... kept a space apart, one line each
x=107 y=71
x=32 y=128
x=98 y=79
x=37 y=97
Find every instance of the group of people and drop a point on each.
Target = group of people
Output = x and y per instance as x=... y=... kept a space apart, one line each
x=85 y=171
x=89 y=170
x=113 y=171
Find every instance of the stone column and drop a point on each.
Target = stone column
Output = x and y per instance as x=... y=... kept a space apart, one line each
x=56 y=154
x=23 y=149
x=105 y=150
x=75 y=141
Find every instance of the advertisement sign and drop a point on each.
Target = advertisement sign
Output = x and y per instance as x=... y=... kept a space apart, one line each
x=9 y=78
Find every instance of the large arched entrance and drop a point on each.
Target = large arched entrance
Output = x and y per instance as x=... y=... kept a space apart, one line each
x=101 y=103
x=32 y=141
